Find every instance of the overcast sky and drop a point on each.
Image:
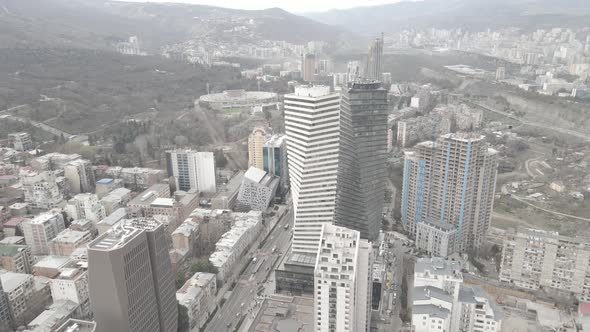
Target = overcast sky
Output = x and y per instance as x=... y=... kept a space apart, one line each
x=298 y=6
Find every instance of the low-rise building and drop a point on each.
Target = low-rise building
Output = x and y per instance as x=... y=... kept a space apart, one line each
x=115 y=199
x=19 y=289
x=225 y=198
x=50 y=266
x=197 y=295
x=106 y=185
x=67 y=241
x=16 y=258
x=85 y=206
x=72 y=285
x=53 y=161
x=21 y=141
x=134 y=178
x=212 y=225
x=53 y=317
x=436 y=238
x=233 y=244
x=76 y=325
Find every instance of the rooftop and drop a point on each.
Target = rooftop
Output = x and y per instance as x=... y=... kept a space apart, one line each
x=43 y=218
x=11 y=249
x=255 y=174
x=52 y=262
x=13 y=240
x=75 y=325
x=431 y=310
x=56 y=313
x=120 y=234
x=11 y=280
x=163 y=202
x=437 y=266
x=71 y=236
x=114 y=217
x=105 y=181
x=428 y=292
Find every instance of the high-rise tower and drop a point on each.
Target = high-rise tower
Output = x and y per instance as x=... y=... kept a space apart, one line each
x=451 y=181
x=308 y=70
x=363 y=157
x=374 y=59
x=313 y=131
x=192 y=169
x=130 y=277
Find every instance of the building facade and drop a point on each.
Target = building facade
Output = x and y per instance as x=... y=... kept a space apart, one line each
x=257 y=191
x=85 y=206
x=312 y=116
x=198 y=296
x=21 y=141
x=132 y=262
x=451 y=181
x=80 y=176
x=192 y=170
x=39 y=231
x=363 y=158
x=375 y=60
x=274 y=160
x=256 y=142
x=42 y=190
x=436 y=239
x=342 y=271
x=16 y=258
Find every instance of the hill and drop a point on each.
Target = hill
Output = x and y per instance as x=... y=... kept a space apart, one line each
x=99 y=23
x=469 y=14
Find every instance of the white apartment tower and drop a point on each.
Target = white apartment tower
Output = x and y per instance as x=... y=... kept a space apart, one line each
x=312 y=115
x=341 y=281
x=192 y=170
x=80 y=176
x=256 y=142
x=41 y=190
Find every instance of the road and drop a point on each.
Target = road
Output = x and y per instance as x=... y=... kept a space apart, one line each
x=242 y=299
x=532 y=124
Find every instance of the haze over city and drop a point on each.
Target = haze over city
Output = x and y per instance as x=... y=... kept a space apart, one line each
x=328 y=166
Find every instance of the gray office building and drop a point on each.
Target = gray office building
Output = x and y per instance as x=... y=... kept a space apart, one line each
x=363 y=157
x=130 y=279
x=374 y=69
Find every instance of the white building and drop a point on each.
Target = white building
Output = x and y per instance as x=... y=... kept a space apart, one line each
x=230 y=248
x=21 y=141
x=53 y=161
x=435 y=238
x=85 y=206
x=41 y=190
x=257 y=191
x=67 y=241
x=117 y=198
x=342 y=271
x=312 y=125
x=197 y=295
x=431 y=309
x=192 y=170
x=19 y=289
x=42 y=229
x=72 y=285
x=80 y=176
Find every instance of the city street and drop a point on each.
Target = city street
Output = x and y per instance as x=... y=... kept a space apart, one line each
x=242 y=299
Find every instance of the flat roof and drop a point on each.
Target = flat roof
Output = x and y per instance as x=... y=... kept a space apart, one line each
x=52 y=262
x=255 y=174
x=11 y=280
x=11 y=249
x=71 y=236
x=164 y=202
x=120 y=234
x=105 y=181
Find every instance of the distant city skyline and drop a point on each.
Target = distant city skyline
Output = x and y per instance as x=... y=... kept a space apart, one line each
x=292 y=6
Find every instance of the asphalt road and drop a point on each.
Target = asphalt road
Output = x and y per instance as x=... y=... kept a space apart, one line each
x=242 y=299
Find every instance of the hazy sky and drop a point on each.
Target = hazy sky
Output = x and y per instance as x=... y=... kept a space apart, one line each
x=290 y=5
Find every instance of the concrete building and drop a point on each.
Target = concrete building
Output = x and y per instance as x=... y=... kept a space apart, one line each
x=226 y=196
x=16 y=258
x=136 y=291
x=41 y=190
x=85 y=206
x=112 y=219
x=275 y=160
x=308 y=67
x=431 y=309
x=212 y=225
x=67 y=241
x=72 y=285
x=452 y=181
x=106 y=185
x=435 y=238
x=342 y=297
x=197 y=295
x=477 y=312
x=363 y=158
x=229 y=250
x=21 y=141
x=192 y=170
x=257 y=191
x=54 y=316
x=534 y=259
x=19 y=289
x=256 y=142
x=80 y=176
x=49 y=266
x=135 y=178
x=375 y=60
x=42 y=229
x=53 y=161
x=115 y=199
x=312 y=116
x=440 y=273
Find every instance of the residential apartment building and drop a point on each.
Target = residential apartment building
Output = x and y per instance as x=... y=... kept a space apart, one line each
x=19 y=289
x=42 y=229
x=257 y=191
x=67 y=241
x=85 y=206
x=115 y=199
x=53 y=161
x=308 y=67
x=435 y=238
x=42 y=190
x=212 y=225
x=197 y=295
x=72 y=285
x=363 y=158
x=256 y=142
x=79 y=176
x=16 y=258
x=312 y=125
x=192 y=170
x=135 y=178
x=21 y=141
x=138 y=273
x=342 y=297
x=451 y=181
x=533 y=259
